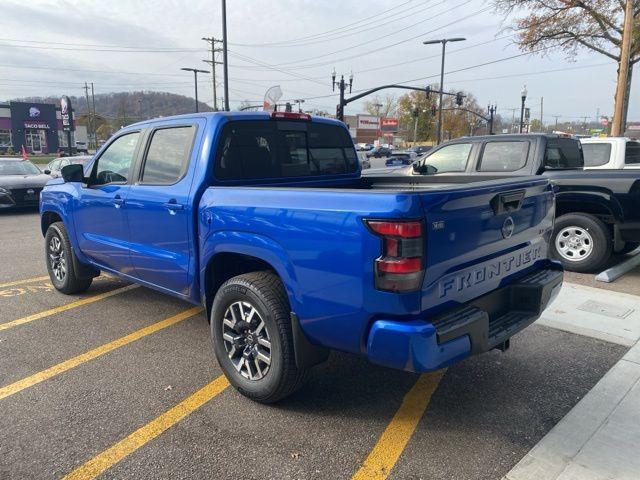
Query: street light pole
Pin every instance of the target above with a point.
(492, 111)
(444, 42)
(524, 99)
(195, 78)
(342, 86)
(225, 67)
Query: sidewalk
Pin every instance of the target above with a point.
(600, 437)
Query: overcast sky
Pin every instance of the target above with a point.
(53, 47)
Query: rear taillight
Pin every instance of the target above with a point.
(400, 268)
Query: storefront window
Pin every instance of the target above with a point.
(5, 138)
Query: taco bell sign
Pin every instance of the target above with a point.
(66, 113)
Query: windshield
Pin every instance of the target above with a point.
(13, 167)
(275, 149)
(596, 154)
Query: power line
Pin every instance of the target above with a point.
(358, 30)
(120, 50)
(327, 32)
(292, 64)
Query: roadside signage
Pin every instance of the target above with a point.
(66, 113)
(389, 124)
(368, 122)
(37, 125)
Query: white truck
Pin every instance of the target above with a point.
(611, 153)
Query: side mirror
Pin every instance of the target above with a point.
(73, 173)
(47, 172)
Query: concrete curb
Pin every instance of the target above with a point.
(615, 272)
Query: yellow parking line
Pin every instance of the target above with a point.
(394, 439)
(22, 282)
(95, 353)
(109, 457)
(64, 308)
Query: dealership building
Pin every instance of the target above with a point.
(36, 126)
(370, 128)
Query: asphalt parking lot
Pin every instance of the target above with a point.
(121, 382)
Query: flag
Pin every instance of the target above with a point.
(25, 154)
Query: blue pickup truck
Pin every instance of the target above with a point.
(265, 220)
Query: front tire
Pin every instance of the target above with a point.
(60, 261)
(253, 339)
(581, 242)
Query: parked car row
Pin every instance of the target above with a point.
(21, 181)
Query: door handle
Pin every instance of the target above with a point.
(118, 201)
(173, 206)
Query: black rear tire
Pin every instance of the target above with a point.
(596, 239)
(263, 292)
(60, 261)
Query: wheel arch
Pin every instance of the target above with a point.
(47, 218)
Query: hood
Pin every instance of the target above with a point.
(24, 181)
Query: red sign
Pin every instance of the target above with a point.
(389, 124)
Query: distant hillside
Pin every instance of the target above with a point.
(129, 107)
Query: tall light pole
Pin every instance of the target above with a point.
(195, 78)
(523, 96)
(444, 42)
(225, 66)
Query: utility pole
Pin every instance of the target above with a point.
(93, 107)
(212, 41)
(444, 42)
(617, 126)
(90, 128)
(195, 78)
(225, 66)
(342, 86)
(556, 117)
(541, 114)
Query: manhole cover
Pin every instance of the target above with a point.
(605, 309)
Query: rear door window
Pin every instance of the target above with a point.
(168, 154)
(632, 153)
(596, 154)
(277, 149)
(563, 153)
(503, 156)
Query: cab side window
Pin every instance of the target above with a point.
(168, 155)
(504, 156)
(450, 158)
(114, 165)
(632, 153)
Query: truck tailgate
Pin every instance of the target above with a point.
(483, 236)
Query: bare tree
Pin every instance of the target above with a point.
(383, 107)
(572, 25)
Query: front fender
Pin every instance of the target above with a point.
(257, 246)
(57, 199)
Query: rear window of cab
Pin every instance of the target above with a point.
(258, 149)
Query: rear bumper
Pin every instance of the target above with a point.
(478, 326)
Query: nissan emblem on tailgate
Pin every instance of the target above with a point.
(508, 227)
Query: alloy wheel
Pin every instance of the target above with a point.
(246, 340)
(57, 258)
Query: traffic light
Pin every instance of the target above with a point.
(433, 110)
(427, 91)
(459, 99)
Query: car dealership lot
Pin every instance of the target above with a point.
(122, 381)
